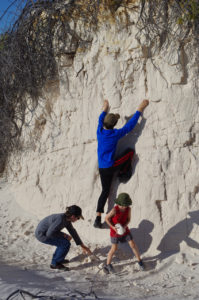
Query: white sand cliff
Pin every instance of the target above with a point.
(58, 167)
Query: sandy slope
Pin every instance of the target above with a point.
(168, 280)
(25, 266)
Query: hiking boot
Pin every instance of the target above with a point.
(59, 267)
(97, 223)
(141, 265)
(108, 269)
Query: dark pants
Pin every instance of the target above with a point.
(122, 165)
(63, 246)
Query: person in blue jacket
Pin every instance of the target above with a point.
(108, 138)
(49, 231)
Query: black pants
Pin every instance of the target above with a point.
(122, 164)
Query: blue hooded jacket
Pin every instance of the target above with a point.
(108, 138)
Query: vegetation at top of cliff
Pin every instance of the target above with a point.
(44, 30)
(164, 19)
(47, 29)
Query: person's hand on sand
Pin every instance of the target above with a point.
(86, 250)
(105, 106)
(143, 105)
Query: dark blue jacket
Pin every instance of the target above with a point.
(51, 226)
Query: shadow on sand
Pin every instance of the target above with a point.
(170, 243)
(168, 246)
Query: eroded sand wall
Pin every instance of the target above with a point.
(59, 166)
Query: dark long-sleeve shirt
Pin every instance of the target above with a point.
(108, 139)
(51, 226)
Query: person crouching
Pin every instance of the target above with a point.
(49, 231)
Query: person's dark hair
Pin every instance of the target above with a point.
(108, 126)
(73, 210)
(110, 120)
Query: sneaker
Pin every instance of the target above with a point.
(108, 269)
(59, 267)
(97, 223)
(140, 263)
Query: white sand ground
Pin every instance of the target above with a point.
(25, 272)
